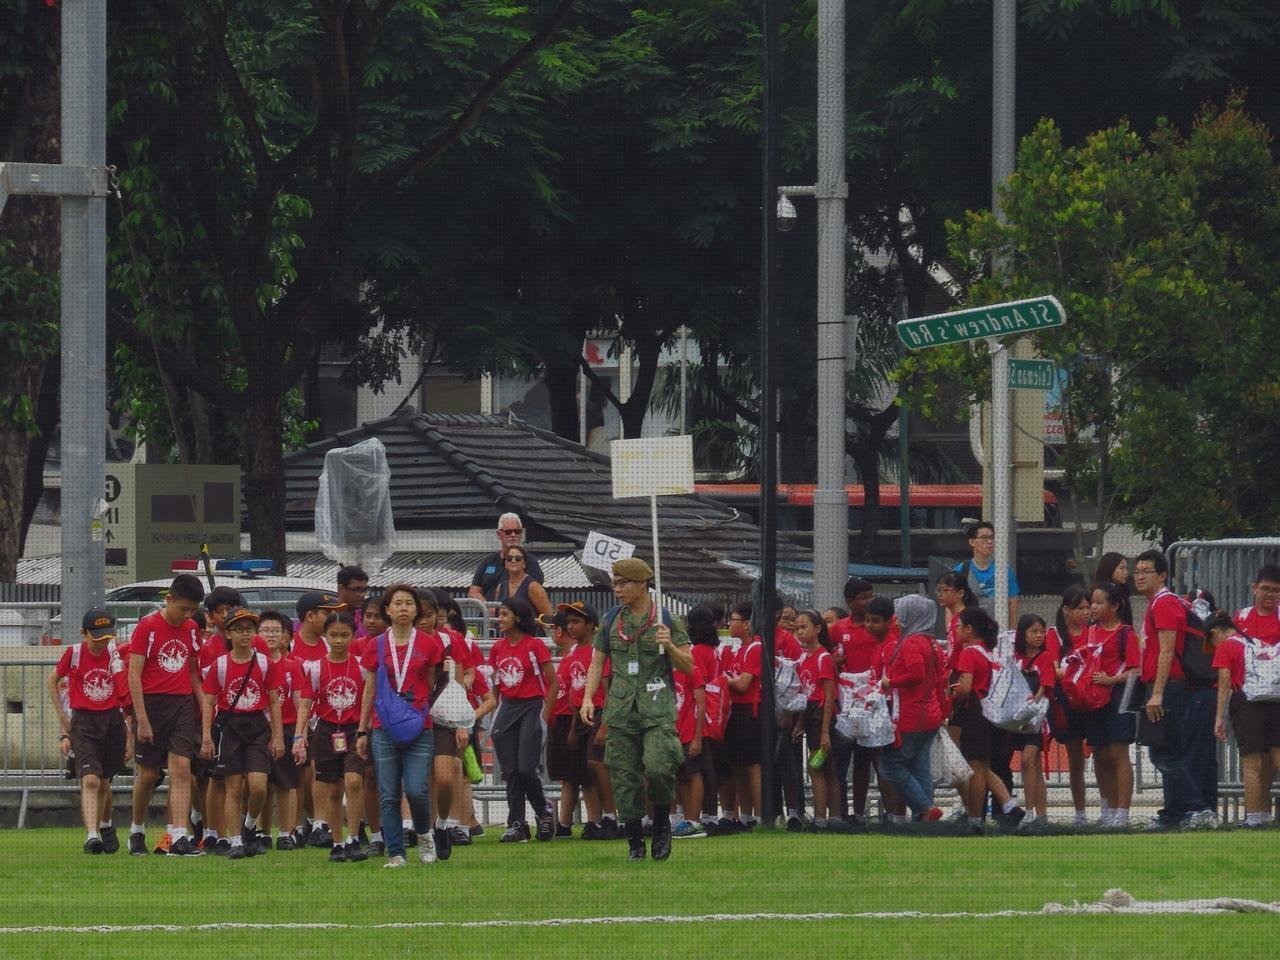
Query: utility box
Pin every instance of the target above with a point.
(161, 512)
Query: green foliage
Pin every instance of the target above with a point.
(28, 327)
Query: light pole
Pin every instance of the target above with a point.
(830, 501)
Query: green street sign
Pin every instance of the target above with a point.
(1031, 374)
(978, 323)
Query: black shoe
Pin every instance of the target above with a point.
(355, 852)
(320, 837)
(1014, 817)
(546, 827)
(377, 848)
(795, 825)
(516, 833)
(185, 847)
(222, 847)
(93, 845)
(723, 827)
(563, 831)
(609, 829)
(444, 842)
(592, 831)
(249, 840)
(286, 843)
(337, 853)
(110, 840)
(137, 845)
(364, 834)
(460, 836)
(476, 831)
(635, 841)
(237, 852)
(661, 835)
(410, 838)
(262, 841)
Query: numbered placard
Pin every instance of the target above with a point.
(602, 552)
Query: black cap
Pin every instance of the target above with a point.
(577, 607)
(316, 600)
(100, 624)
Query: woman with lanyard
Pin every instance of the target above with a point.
(518, 583)
(410, 658)
(526, 686)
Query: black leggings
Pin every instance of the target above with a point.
(517, 741)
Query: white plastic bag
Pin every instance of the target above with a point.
(947, 764)
(451, 708)
(1261, 672)
(353, 506)
(1008, 704)
(880, 729)
(853, 689)
(788, 691)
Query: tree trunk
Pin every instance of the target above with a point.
(561, 379)
(868, 464)
(264, 468)
(648, 349)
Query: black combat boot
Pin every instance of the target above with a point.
(661, 832)
(635, 840)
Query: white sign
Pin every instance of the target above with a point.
(602, 552)
(652, 466)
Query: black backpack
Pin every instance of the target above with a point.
(1197, 662)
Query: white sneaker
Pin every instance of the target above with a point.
(394, 862)
(426, 847)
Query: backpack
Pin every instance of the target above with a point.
(1197, 663)
(1079, 666)
(717, 704)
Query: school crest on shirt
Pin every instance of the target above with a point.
(340, 694)
(806, 684)
(510, 672)
(578, 675)
(172, 656)
(97, 685)
(252, 696)
(679, 698)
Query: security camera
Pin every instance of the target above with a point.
(786, 213)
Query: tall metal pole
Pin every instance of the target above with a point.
(904, 472)
(830, 502)
(767, 453)
(1004, 43)
(84, 292)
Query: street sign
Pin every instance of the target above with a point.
(1031, 374)
(995, 320)
(602, 551)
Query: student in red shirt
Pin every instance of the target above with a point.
(1067, 724)
(375, 626)
(979, 738)
(1038, 667)
(1262, 620)
(690, 695)
(1109, 731)
(243, 688)
(1169, 698)
(1254, 723)
(704, 644)
(334, 688)
(207, 796)
(96, 733)
(742, 737)
(448, 742)
(409, 659)
(884, 629)
(282, 782)
(163, 673)
(526, 686)
(817, 671)
(312, 609)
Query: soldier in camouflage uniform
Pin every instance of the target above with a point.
(640, 713)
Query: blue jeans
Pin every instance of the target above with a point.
(411, 765)
(907, 768)
(1201, 747)
(1181, 789)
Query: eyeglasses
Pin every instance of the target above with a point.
(737, 619)
(1144, 571)
(985, 536)
(1269, 591)
(619, 583)
(516, 530)
(514, 558)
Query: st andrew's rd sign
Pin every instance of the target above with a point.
(978, 323)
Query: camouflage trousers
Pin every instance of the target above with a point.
(637, 757)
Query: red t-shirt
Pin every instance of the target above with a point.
(1253, 624)
(517, 669)
(1230, 655)
(973, 659)
(292, 685)
(748, 660)
(571, 675)
(686, 703)
(813, 668)
(706, 658)
(335, 690)
(96, 683)
(424, 652)
(1112, 659)
(855, 643)
(1042, 663)
(909, 673)
(215, 645)
(953, 644)
(786, 645)
(1164, 612)
(167, 650)
(256, 697)
(303, 651)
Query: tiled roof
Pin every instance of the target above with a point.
(461, 470)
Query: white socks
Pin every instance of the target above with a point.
(1008, 805)
(137, 828)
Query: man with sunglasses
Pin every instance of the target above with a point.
(490, 571)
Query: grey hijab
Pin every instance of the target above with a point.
(915, 614)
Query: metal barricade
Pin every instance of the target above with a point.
(39, 623)
(1225, 568)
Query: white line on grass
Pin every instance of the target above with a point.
(1113, 902)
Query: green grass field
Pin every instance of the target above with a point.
(50, 882)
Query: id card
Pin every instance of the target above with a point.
(633, 668)
(339, 738)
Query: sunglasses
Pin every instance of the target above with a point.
(514, 558)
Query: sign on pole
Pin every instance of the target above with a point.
(996, 320)
(602, 551)
(652, 467)
(1031, 374)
